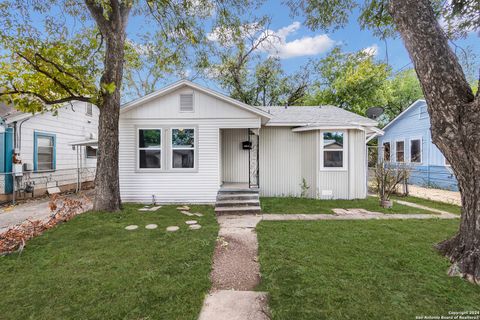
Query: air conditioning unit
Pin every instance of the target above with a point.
(27, 167)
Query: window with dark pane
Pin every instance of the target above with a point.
(150, 148)
(91, 152)
(183, 148)
(400, 149)
(333, 149)
(415, 151)
(386, 151)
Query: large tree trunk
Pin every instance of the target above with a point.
(107, 186)
(455, 122)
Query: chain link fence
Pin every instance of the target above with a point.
(37, 182)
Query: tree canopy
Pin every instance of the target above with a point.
(239, 67)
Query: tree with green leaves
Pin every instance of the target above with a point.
(453, 107)
(352, 81)
(240, 68)
(154, 63)
(403, 90)
(58, 51)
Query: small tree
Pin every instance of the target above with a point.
(387, 180)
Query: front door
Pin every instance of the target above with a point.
(235, 167)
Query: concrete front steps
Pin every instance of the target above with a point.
(237, 202)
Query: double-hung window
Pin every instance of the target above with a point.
(400, 151)
(149, 148)
(416, 151)
(183, 148)
(333, 150)
(44, 153)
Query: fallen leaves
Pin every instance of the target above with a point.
(62, 208)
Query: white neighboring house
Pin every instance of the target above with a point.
(55, 150)
(186, 142)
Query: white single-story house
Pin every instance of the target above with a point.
(50, 149)
(186, 142)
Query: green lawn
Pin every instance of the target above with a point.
(432, 204)
(304, 205)
(91, 268)
(360, 270)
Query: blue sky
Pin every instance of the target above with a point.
(351, 37)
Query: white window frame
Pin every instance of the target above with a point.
(410, 150)
(137, 147)
(195, 151)
(383, 150)
(404, 155)
(344, 166)
(180, 102)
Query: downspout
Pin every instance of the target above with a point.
(17, 144)
(20, 134)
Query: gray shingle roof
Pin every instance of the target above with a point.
(315, 115)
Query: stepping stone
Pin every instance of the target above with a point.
(151, 226)
(187, 213)
(172, 228)
(186, 208)
(131, 227)
(194, 226)
(190, 222)
(198, 214)
(150, 208)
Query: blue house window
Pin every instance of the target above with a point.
(44, 151)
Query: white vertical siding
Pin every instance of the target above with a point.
(357, 160)
(310, 161)
(287, 157)
(334, 181)
(280, 162)
(234, 159)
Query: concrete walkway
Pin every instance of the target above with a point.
(311, 217)
(236, 273)
(32, 210)
(419, 206)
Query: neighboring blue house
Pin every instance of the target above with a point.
(407, 140)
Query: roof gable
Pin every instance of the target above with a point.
(188, 84)
(412, 108)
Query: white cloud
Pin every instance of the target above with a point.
(372, 50)
(306, 46)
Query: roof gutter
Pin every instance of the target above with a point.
(312, 128)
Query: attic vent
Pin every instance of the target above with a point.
(186, 102)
